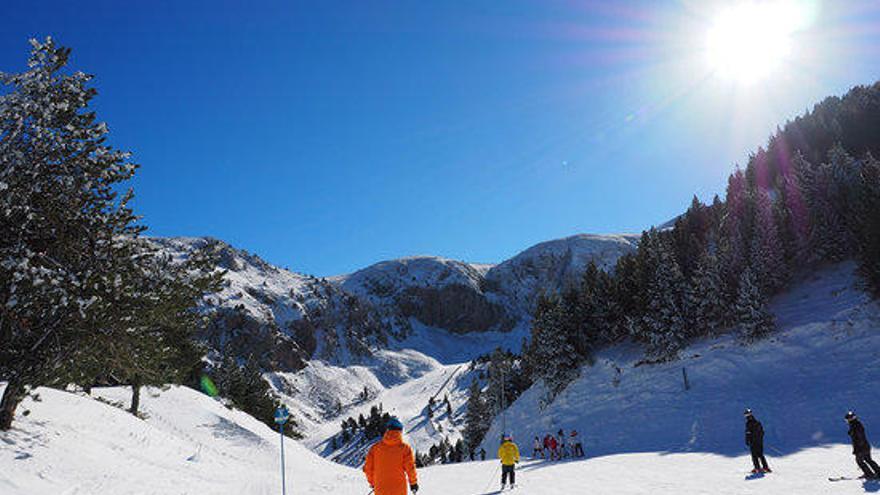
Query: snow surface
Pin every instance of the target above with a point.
(188, 444)
(191, 444)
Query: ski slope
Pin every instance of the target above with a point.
(188, 444)
(191, 444)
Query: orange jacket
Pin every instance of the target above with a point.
(389, 463)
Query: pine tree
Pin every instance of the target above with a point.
(706, 297)
(663, 326)
(752, 316)
(476, 417)
(596, 310)
(767, 259)
(734, 226)
(497, 388)
(65, 233)
(867, 223)
(553, 357)
(830, 238)
(796, 229)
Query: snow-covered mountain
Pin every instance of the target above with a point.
(286, 318)
(395, 324)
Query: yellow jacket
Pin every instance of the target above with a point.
(508, 453)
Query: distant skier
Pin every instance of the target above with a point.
(391, 462)
(578, 448)
(563, 452)
(482, 454)
(554, 452)
(755, 442)
(861, 447)
(509, 455)
(538, 449)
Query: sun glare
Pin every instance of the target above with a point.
(749, 41)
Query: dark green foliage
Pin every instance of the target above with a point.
(751, 309)
(477, 416)
(244, 386)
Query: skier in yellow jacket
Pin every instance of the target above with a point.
(509, 455)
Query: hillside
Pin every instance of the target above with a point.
(188, 444)
(823, 360)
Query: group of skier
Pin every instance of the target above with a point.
(556, 448)
(390, 464)
(861, 445)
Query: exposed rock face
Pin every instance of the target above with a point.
(457, 308)
(286, 319)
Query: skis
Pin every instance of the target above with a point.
(851, 478)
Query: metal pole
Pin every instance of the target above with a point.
(283, 483)
(503, 408)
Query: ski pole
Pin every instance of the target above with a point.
(774, 449)
(494, 475)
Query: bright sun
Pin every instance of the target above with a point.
(749, 41)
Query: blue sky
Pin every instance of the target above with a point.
(325, 136)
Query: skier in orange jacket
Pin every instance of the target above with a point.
(391, 462)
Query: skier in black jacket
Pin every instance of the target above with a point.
(861, 446)
(755, 442)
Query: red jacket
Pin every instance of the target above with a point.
(389, 463)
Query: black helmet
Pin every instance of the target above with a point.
(850, 416)
(747, 412)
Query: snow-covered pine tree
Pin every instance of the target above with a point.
(734, 226)
(796, 229)
(476, 417)
(664, 323)
(596, 309)
(766, 258)
(498, 383)
(751, 312)
(706, 298)
(826, 188)
(867, 223)
(553, 356)
(64, 232)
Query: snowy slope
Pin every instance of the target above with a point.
(189, 444)
(553, 264)
(803, 473)
(823, 360)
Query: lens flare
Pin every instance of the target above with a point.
(208, 386)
